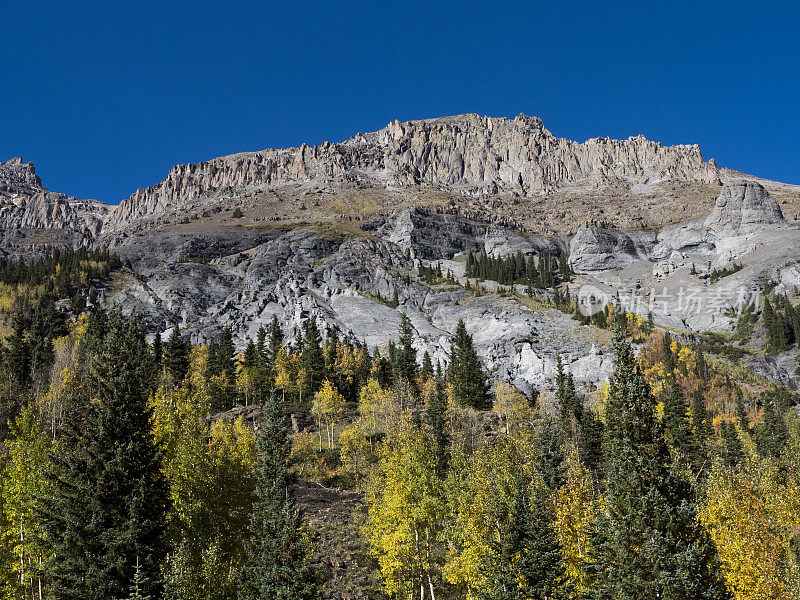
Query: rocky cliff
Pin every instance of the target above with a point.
(26, 204)
(467, 154)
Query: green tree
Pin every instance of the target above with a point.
(312, 361)
(648, 543)
(468, 380)
(175, 356)
(278, 551)
(406, 361)
(525, 561)
(107, 497)
(437, 418)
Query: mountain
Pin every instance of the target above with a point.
(32, 216)
(341, 232)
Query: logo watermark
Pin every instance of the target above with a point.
(685, 301)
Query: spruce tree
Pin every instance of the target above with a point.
(226, 356)
(524, 562)
(648, 544)
(312, 361)
(261, 345)
(426, 372)
(772, 434)
(701, 434)
(469, 384)
(18, 354)
(158, 350)
(176, 360)
(107, 497)
(278, 551)
(406, 362)
(437, 417)
(676, 417)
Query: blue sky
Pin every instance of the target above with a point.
(106, 96)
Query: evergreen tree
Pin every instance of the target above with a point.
(406, 365)
(771, 435)
(278, 551)
(524, 562)
(158, 350)
(275, 339)
(701, 433)
(468, 379)
(226, 357)
(427, 367)
(733, 451)
(552, 457)
(648, 543)
(176, 360)
(741, 412)
(18, 356)
(107, 496)
(312, 360)
(261, 345)
(437, 417)
(676, 418)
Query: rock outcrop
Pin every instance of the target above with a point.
(26, 204)
(743, 207)
(468, 154)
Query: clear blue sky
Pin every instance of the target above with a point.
(106, 96)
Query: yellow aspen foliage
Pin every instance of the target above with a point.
(21, 483)
(511, 406)
(379, 408)
(287, 374)
(406, 509)
(356, 453)
(751, 516)
(328, 407)
(346, 367)
(577, 508)
(468, 491)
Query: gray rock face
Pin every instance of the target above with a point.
(594, 249)
(26, 204)
(467, 153)
(743, 206)
(297, 274)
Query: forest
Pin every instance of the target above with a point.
(126, 474)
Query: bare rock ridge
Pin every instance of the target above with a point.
(467, 154)
(26, 204)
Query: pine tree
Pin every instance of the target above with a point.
(469, 384)
(427, 367)
(437, 417)
(107, 497)
(278, 550)
(18, 356)
(226, 356)
(676, 418)
(312, 361)
(524, 562)
(648, 543)
(406, 365)
(176, 360)
(261, 345)
(771, 435)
